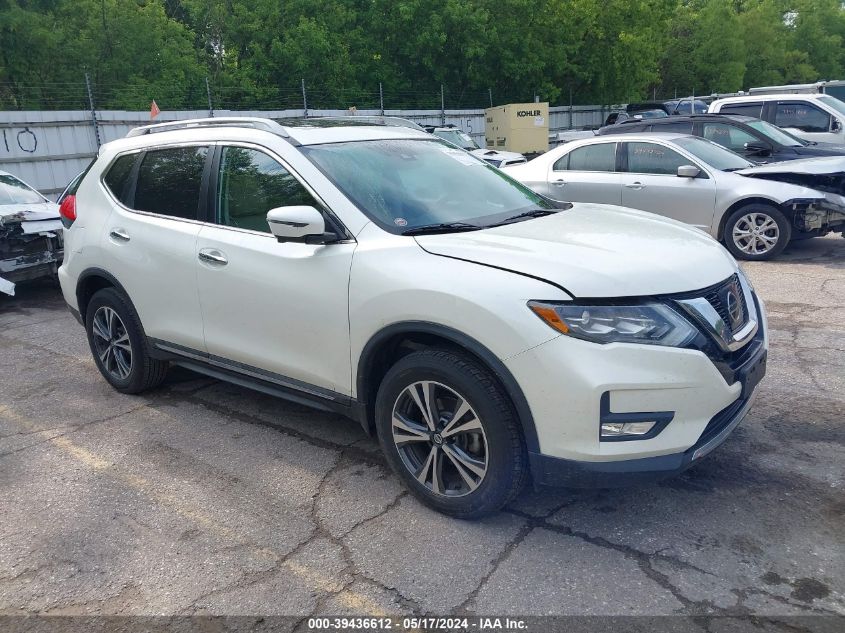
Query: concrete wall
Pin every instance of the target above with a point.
(48, 148)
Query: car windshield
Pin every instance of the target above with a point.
(457, 137)
(834, 103)
(714, 155)
(13, 191)
(775, 133)
(405, 184)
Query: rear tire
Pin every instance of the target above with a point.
(757, 232)
(465, 466)
(118, 343)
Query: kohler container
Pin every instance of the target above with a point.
(518, 127)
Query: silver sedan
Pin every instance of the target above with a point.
(691, 180)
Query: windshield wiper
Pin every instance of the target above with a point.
(534, 213)
(442, 227)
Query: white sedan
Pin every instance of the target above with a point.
(694, 181)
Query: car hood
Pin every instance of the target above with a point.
(806, 166)
(821, 149)
(825, 174)
(595, 250)
(15, 213)
(495, 154)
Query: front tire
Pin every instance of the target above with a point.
(450, 432)
(757, 232)
(118, 343)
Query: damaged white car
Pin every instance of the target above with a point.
(30, 234)
(456, 136)
(698, 182)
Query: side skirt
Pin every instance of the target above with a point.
(259, 380)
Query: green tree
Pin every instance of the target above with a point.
(706, 50)
(818, 28)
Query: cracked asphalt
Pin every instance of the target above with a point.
(206, 498)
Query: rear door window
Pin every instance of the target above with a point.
(170, 180)
(598, 157)
(801, 115)
(745, 109)
(675, 127)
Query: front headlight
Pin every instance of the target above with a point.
(647, 323)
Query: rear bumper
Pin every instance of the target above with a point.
(554, 471)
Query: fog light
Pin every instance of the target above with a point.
(619, 429)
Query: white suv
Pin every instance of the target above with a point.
(812, 117)
(485, 333)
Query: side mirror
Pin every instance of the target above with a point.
(299, 223)
(836, 125)
(688, 171)
(758, 147)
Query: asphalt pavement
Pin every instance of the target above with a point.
(206, 498)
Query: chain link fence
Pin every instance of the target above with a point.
(50, 132)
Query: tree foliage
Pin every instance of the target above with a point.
(255, 53)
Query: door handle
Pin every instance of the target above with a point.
(119, 234)
(213, 256)
(559, 183)
(635, 185)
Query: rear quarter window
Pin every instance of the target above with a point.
(117, 177)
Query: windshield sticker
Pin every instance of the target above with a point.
(400, 222)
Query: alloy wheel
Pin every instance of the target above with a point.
(440, 439)
(756, 233)
(111, 341)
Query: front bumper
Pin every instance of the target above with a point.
(820, 217)
(566, 380)
(28, 261)
(554, 471)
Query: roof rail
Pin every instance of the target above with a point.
(253, 122)
(376, 119)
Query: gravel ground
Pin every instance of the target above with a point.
(205, 498)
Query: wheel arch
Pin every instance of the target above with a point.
(746, 202)
(394, 341)
(89, 282)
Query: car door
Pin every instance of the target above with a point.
(805, 120)
(650, 182)
(149, 244)
(279, 311)
(586, 174)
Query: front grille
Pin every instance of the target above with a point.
(727, 362)
(716, 298)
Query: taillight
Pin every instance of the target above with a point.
(67, 209)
